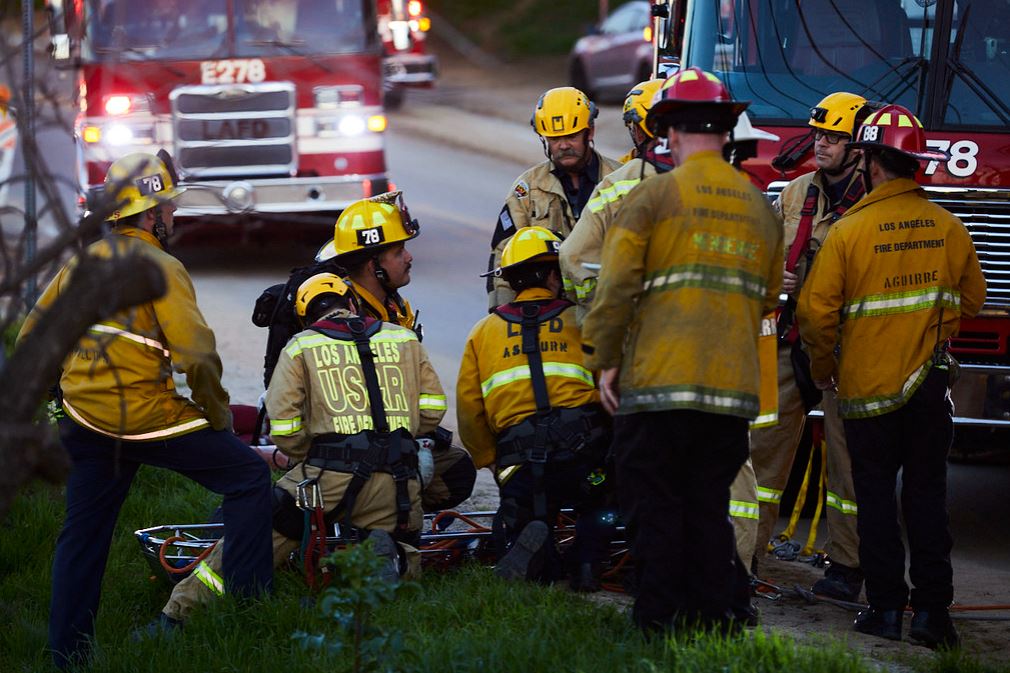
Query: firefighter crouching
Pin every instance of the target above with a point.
(122, 411)
(689, 266)
(528, 408)
(369, 250)
(553, 193)
(896, 275)
(810, 205)
(345, 401)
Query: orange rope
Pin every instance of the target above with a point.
(188, 567)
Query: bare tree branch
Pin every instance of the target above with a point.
(96, 290)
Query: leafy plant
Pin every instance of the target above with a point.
(357, 590)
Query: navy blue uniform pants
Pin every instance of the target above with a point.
(674, 470)
(99, 481)
(914, 439)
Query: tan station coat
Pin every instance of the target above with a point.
(585, 243)
(536, 198)
(318, 388)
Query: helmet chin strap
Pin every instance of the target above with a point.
(864, 173)
(382, 276)
(846, 165)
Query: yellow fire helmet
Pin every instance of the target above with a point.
(370, 224)
(638, 102)
(317, 286)
(529, 244)
(563, 111)
(141, 181)
(837, 112)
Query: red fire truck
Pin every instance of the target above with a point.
(403, 27)
(270, 107)
(947, 60)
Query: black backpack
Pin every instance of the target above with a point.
(275, 310)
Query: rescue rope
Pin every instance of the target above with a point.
(774, 592)
(189, 566)
(808, 550)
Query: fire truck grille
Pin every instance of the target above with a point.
(242, 130)
(986, 215)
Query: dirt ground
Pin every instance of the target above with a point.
(491, 109)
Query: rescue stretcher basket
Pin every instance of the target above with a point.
(448, 539)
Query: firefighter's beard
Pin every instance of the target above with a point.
(159, 229)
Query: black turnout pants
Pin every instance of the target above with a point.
(566, 485)
(674, 470)
(914, 439)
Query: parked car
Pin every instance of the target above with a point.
(615, 55)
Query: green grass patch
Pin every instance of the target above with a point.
(514, 28)
(466, 620)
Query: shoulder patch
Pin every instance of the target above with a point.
(521, 190)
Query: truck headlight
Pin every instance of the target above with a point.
(118, 134)
(351, 125)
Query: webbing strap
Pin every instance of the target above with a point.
(538, 452)
(788, 329)
(379, 452)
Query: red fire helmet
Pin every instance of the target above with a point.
(894, 127)
(695, 99)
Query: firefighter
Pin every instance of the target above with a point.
(369, 245)
(584, 245)
(809, 206)
(529, 409)
(689, 266)
(553, 193)
(345, 402)
(889, 287)
(121, 410)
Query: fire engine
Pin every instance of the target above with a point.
(269, 107)
(947, 60)
(403, 27)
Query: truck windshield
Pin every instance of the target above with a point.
(200, 29)
(947, 60)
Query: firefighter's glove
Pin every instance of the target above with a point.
(425, 460)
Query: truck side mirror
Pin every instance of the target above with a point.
(592, 29)
(59, 39)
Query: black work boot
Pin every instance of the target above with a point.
(585, 579)
(880, 623)
(162, 627)
(385, 547)
(525, 560)
(840, 582)
(934, 628)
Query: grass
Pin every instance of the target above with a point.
(466, 620)
(522, 27)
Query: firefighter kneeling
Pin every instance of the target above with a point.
(526, 403)
(355, 451)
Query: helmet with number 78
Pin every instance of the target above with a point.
(139, 182)
(894, 128)
(370, 224)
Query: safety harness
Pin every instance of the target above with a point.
(369, 451)
(558, 433)
(801, 246)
